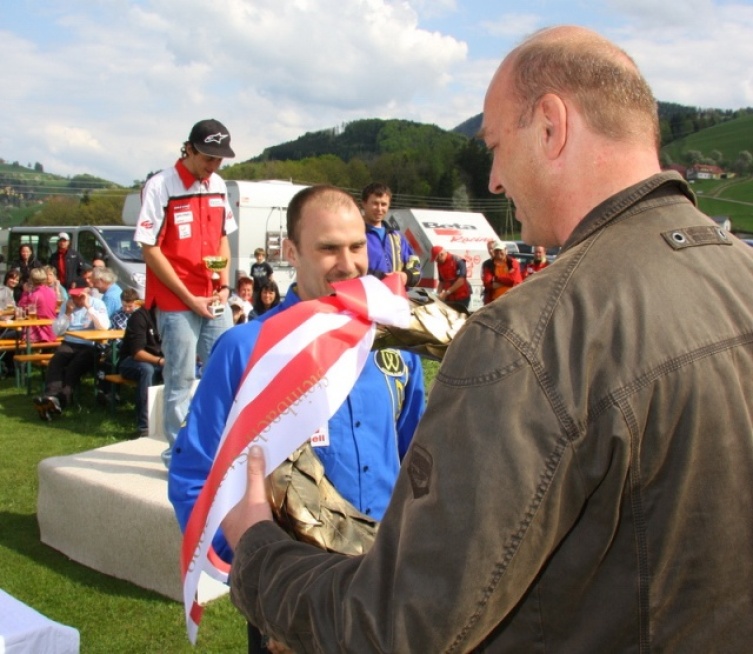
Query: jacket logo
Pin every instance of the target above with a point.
(419, 470)
(390, 362)
(218, 138)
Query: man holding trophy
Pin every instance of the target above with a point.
(182, 228)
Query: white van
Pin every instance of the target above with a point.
(112, 243)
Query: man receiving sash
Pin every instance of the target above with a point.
(362, 445)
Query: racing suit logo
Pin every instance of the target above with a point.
(390, 362)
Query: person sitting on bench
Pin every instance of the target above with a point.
(75, 356)
(141, 360)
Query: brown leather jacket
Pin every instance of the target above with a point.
(582, 479)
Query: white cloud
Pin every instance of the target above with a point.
(112, 88)
(702, 59)
(137, 76)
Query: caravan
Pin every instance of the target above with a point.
(461, 233)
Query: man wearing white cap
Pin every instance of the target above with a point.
(185, 217)
(500, 273)
(67, 262)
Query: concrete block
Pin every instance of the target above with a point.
(108, 510)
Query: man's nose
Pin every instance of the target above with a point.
(347, 261)
(495, 186)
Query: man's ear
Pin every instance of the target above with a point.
(290, 252)
(552, 113)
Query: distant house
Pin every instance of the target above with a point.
(703, 171)
(678, 168)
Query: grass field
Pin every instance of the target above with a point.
(729, 138)
(727, 197)
(112, 616)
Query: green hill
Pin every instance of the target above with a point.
(364, 139)
(20, 183)
(729, 138)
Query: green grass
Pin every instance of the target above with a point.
(733, 198)
(112, 616)
(729, 138)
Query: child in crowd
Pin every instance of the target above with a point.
(261, 271)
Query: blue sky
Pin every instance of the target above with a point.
(112, 87)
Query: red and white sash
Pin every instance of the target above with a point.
(305, 363)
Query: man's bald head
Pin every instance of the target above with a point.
(597, 76)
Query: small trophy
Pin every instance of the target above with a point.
(215, 264)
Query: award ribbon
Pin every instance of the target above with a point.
(305, 363)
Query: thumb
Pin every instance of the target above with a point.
(256, 470)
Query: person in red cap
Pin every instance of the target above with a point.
(453, 287)
(75, 356)
(185, 217)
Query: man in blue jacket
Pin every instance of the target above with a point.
(388, 249)
(364, 442)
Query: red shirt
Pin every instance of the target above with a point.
(187, 219)
(448, 272)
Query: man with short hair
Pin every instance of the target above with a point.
(500, 273)
(539, 261)
(105, 281)
(453, 286)
(74, 356)
(68, 263)
(388, 249)
(118, 320)
(244, 295)
(362, 445)
(141, 360)
(185, 217)
(580, 481)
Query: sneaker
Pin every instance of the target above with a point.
(55, 408)
(44, 407)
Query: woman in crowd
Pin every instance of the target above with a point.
(268, 298)
(43, 301)
(25, 263)
(61, 294)
(10, 283)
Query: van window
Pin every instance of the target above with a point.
(89, 246)
(43, 245)
(121, 242)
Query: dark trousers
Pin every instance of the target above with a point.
(70, 362)
(256, 642)
(146, 374)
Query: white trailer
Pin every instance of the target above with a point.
(462, 233)
(260, 211)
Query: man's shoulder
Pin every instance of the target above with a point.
(166, 180)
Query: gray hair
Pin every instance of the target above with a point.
(105, 275)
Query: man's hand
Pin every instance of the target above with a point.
(200, 305)
(253, 506)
